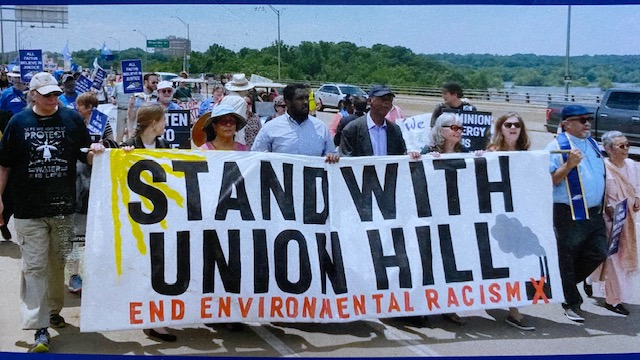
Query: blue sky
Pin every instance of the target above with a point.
(463, 29)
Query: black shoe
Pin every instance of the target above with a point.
(56, 321)
(6, 234)
(588, 289)
(164, 337)
(520, 324)
(618, 309)
(573, 314)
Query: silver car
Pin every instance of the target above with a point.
(332, 95)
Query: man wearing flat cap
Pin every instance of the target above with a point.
(578, 175)
(372, 134)
(39, 149)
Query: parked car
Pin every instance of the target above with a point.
(332, 95)
(166, 76)
(619, 110)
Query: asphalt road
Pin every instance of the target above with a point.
(485, 333)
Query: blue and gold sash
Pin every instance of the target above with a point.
(573, 181)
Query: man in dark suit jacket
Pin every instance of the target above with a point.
(372, 134)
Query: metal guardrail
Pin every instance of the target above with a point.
(486, 95)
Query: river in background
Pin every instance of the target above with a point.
(576, 90)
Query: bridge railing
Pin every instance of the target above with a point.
(512, 96)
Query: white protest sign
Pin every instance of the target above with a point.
(185, 237)
(416, 131)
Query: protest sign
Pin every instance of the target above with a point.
(177, 130)
(97, 122)
(178, 237)
(416, 131)
(192, 106)
(83, 84)
(98, 78)
(477, 128)
(112, 114)
(619, 218)
(132, 79)
(30, 64)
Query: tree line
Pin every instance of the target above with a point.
(393, 65)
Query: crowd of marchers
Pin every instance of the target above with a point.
(49, 212)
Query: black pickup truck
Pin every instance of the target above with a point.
(619, 110)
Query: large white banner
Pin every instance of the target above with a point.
(189, 237)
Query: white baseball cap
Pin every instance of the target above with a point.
(165, 85)
(44, 83)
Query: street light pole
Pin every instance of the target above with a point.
(277, 12)
(20, 35)
(187, 48)
(145, 39)
(567, 78)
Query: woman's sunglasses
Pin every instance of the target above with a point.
(509, 125)
(454, 127)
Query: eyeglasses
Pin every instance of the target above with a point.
(623, 146)
(455, 127)
(583, 120)
(227, 122)
(509, 125)
(51, 94)
(166, 90)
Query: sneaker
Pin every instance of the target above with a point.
(41, 343)
(75, 284)
(56, 321)
(572, 315)
(618, 309)
(520, 324)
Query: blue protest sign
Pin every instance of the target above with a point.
(83, 84)
(30, 64)
(98, 78)
(132, 76)
(97, 122)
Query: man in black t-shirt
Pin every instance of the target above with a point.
(453, 99)
(38, 150)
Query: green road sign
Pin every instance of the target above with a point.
(159, 43)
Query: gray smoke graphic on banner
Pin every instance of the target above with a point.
(514, 238)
